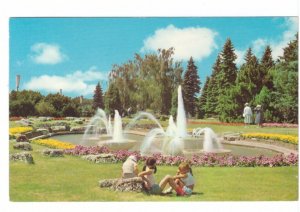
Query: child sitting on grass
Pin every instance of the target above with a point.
(148, 176)
(184, 180)
(130, 167)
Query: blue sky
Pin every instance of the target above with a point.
(73, 54)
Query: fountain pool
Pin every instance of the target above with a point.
(190, 146)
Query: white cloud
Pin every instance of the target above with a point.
(288, 35)
(192, 41)
(43, 53)
(240, 54)
(277, 46)
(78, 82)
(258, 46)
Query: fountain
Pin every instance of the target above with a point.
(211, 142)
(98, 127)
(175, 140)
(117, 133)
(172, 139)
(115, 139)
(181, 119)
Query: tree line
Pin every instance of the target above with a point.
(150, 82)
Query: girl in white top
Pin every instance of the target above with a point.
(184, 179)
(130, 167)
(148, 176)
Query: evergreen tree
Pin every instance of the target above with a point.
(266, 64)
(228, 66)
(226, 80)
(191, 87)
(213, 90)
(98, 97)
(203, 99)
(290, 53)
(249, 79)
(285, 80)
(112, 100)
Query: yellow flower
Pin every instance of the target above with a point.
(280, 137)
(18, 130)
(51, 143)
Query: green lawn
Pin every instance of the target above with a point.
(71, 178)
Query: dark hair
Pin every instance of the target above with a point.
(150, 162)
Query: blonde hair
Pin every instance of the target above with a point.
(185, 165)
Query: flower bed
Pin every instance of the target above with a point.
(208, 160)
(216, 123)
(15, 118)
(91, 150)
(287, 125)
(54, 144)
(19, 130)
(280, 137)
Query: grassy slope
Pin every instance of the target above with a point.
(73, 179)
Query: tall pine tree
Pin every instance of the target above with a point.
(98, 97)
(191, 87)
(228, 66)
(112, 100)
(285, 79)
(213, 90)
(266, 64)
(226, 81)
(249, 78)
(203, 100)
(290, 53)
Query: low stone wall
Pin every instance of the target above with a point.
(101, 158)
(53, 152)
(134, 184)
(232, 136)
(22, 156)
(23, 145)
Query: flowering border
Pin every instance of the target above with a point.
(19, 130)
(52, 143)
(206, 160)
(280, 137)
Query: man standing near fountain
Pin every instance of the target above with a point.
(247, 114)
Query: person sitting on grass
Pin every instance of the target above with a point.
(184, 180)
(149, 181)
(130, 167)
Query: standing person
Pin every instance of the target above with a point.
(130, 167)
(148, 176)
(258, 115)
(247, 114)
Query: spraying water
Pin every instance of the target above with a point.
(110, 129)
(172, 128)
(117, 134)
(142, 115)
(181, 119)
(147, 145)
(211, 141)
(96, 125)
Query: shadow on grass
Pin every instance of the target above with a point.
(173, 194)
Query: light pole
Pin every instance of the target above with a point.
(18, 78)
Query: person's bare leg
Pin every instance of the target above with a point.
(167, 180)
(179, 183)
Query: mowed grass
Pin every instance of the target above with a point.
(71, 178)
